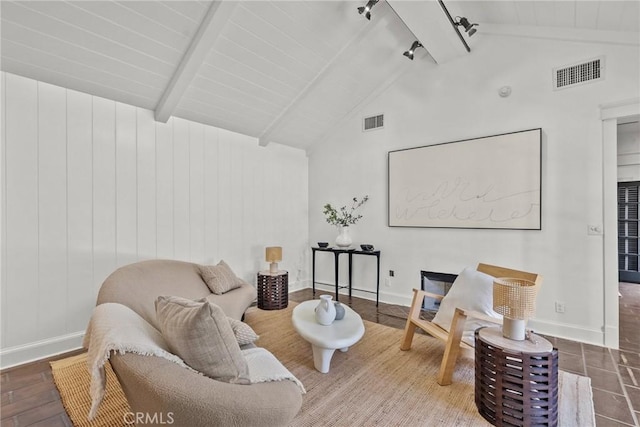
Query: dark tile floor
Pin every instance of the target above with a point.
(30, 398)
(615, 374)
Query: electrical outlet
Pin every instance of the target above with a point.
(387, 282)
(391, 273)
(559, 307)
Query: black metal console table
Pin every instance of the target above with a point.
(336, 264)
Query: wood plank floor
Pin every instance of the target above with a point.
(30, 398)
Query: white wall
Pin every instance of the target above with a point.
(458, 100)
(629, 152)
(90, 184)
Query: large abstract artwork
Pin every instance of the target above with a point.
(489, 182)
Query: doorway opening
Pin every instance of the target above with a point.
(612, 115)
(627, 143)
(628, 236)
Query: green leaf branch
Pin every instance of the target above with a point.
(344, 216)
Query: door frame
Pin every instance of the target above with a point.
(610, 114)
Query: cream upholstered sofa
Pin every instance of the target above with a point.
(161, 388)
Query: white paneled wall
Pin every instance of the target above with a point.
(89, 185)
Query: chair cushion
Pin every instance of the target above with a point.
(472, 290)
(200, 333)
(220, 278)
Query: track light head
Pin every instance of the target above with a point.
(464, 22)
(366, 9)
(415, 45)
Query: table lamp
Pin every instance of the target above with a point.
(273, 254)
(515, 299)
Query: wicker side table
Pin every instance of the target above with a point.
(516, 381)
(273, 290)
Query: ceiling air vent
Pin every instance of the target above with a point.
(373, 122)
(581, 73)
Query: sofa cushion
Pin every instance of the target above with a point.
(199, 332)
(220, 278)
(243, 332)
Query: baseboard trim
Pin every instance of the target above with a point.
(21, 354)
(612, 337)
(567, 331)
(299, 285)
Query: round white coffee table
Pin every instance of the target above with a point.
(325, 340)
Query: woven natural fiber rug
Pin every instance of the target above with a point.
(374, 383)
(72, 378)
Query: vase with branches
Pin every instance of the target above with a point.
(344, 217)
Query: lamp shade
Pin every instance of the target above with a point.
(514, 298)
(273, 254)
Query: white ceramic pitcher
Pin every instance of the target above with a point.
(325, 311)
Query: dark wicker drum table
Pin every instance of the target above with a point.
(516, 381)
(273, 290)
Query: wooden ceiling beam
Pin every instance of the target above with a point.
(429, 22)
(212, 24)
(579, 35)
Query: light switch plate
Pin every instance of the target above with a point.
(594, 230)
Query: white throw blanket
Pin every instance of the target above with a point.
(265, 367)
(115, 327)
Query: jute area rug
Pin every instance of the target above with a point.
(374, 383)
(72, 378)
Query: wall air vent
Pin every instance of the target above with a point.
(373, 122)
(577, 74)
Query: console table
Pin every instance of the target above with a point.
(336, 264)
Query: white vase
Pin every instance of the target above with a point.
(325, 311)
(344, 238)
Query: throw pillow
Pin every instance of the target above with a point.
(472, 290)
(220, 278)
(243, 332)
(200, 334)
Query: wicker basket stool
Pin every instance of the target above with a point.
(516, 381)
(273, 290)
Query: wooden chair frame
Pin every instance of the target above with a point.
(453, 338)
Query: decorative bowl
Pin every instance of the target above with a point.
(366, 247)
(323, 244)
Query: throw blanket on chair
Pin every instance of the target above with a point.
(115, 327)
(265, 367)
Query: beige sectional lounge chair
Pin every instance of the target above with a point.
(164, 390)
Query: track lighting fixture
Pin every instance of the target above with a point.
(366, 9)
(468, 27)
(409, 54)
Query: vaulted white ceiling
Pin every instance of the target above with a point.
(283, 71)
